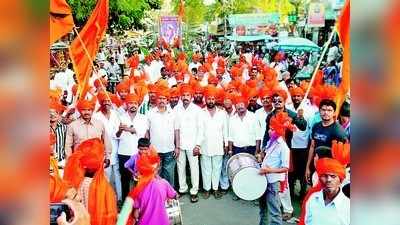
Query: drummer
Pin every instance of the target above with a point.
(274, 166)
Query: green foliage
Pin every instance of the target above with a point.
(195, 11)
(124, 14)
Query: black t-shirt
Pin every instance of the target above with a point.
(323, 136)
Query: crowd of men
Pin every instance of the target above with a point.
(198, 111)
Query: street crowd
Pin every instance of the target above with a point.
(145, 125)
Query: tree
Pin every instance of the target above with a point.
(195, 11)
(124, 14)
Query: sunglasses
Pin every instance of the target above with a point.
(277, 101)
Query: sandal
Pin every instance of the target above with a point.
(194, 198)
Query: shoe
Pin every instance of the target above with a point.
(286, 216)
(194, 198)
(206, 194)
(224, 192)
(235, 197)
(217, 194)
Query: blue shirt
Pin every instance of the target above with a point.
(337, 212)
(276, 156)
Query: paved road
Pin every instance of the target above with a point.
(224, 211)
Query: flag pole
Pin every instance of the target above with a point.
(319, 63)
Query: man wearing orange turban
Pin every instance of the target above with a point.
(110, 119)
(86, 127)
(85, 171)
(327, 200)
(58, 129)
(174, 97)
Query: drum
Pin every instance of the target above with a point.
(242, 170)
(174, 212)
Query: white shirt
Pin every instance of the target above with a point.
(111, 126)
(276, 156)
(261, 116)
(215, 132)
(191, 126)
(337, 212)
(121, 58)
(244, 132)
(128, 141)
(171, 82)
(226, 78)
(300, 138)
(162, 128)
(194, 65)
(64, 80)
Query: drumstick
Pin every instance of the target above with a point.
(126, 210)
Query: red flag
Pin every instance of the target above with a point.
(181, 9)
(84, 48)
(61, 21)
(343, 28)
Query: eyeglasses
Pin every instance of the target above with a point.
(277, 101)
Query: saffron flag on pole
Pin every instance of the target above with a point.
(84, 48)
(181, 9)
(61, 21)
(343, 29)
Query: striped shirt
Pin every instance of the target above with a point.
(60, 132)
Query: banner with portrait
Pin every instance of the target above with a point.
(170, 28)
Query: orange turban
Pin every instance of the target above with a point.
(174, 92)
(147, 165)
(102, 96)
(198, 89)
(89, 155)
(229, 96)
(341, 152)
(196, 57)
(57, 106)
(265, 92)
(181, 56)
(100, 83)
(85, 104)
(230, 87)
(241, 99)
(211, 91)
(296, 91)
(220, 70)
(152, 88)
(220, 95)
(282, 93)
(185, 88)
(163, 92)
(132, 98)
(280, 122)
(134, 61)
(251, 83)
(221, 62)
(202, 69)
(329, 165)
(180, 76)
(236, 72)
(320, 92)
(213, 80)
(123, 86)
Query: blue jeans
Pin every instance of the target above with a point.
(167, 170)
(248, 149)
(271, 200)
(224, 180)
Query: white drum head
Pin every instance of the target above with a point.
(248, 184)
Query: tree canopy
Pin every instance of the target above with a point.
(124, 14)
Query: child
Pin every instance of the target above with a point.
(274, 167)
(143, 146)
(147, 199)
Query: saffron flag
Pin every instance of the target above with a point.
(84, 48)
(61, 21)
(343, 28)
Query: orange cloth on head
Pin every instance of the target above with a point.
(102, 96)
(100, 83)
(329, 165)
(282, 93)
(174, 92)
(85, 104)
(123, 86)
(281, 122)
(296, 91)
(251, 83)
(180, 76)
(320, 92)
(132, 98)
(210, 91)
(89, 156)
(212, 80)
(163, 92)
(265, 92)
(236, 72)
(152, 88)
(220, 70)
(341, 152)
(185, 88)
(56, 105)
(147, 165)
(198, 89)
(241, 99)
(202, 69)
